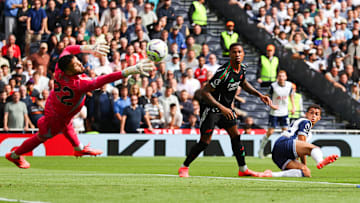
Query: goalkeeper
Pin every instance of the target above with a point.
(67, 98)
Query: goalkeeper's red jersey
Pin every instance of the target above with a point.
(68, 96)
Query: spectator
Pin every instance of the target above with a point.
(132, 117)
(213, 64)
(140, 5)
(3, 97)
(167, 99)
(16, 114)
(6, 73)
(193, 122)
(18, 75)
(349, 70)
(121, 103)
(130, 53)
(155, 31)
(148, 16)
(183, 28)
(296, 45)
(112, 17)
(191, 45)
(178, 73)
(156, 112)
(173, 118)
(333, 77)
(186, 106)
(41, 58)
(344, 81)
(190, 60)
(205, 52)
(11, 59)
(313, 61)
(201, 72)
(354, 54)
(249, 125)
(174, 64)
(36, 110)
(52, 13)
(197, 13)
(91, 20)
(198, 37)
(75, 13)
(31, 91)
(169, 12)
(103, 6)
(146, 98)
(176, 37)
(10, 13)
(11, 45)
(228, 37)
(95, 6)
(194, 83)
(101, 111)
(36, 23)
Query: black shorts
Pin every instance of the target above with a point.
(210, 117)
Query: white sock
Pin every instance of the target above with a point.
(14, 156)
(288, 173)
(263, 142)
(317, 154)
(79, 148)
(243, 168)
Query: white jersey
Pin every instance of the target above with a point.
(280, 97)
(301, 126)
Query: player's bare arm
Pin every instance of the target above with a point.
(206, 93)
(251, 90)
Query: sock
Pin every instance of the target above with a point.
(243, 168)
(28, 145)
(71, 135)
(79, 147)
(263, 142)
(238, 150)
(194, 152)
(317, 154)
(288, 173)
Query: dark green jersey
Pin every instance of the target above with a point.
(226, 82)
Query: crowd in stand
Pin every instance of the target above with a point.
(323, 33)
(36, 32)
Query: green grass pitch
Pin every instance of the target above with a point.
(129, 179)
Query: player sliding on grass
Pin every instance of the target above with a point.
(219, 94)
(67, 99)
(293, 144)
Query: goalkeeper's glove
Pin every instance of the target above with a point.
(142, 67)
(97, 49)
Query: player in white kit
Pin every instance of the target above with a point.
(294, 144)
(280, 91)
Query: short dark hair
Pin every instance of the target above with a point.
(172, 105)
(65, 61)
(313, 106)
(234, 45)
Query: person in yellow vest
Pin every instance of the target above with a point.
(268, 67)
(197, 14)
(298, 101)
(228, 37)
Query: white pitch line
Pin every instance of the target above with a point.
(19, 200)
(208, 177)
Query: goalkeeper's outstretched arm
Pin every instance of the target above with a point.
(142, 67)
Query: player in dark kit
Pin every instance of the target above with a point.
(218, 95)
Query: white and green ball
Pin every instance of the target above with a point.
(156, 50)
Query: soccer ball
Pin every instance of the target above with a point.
(156, 50)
